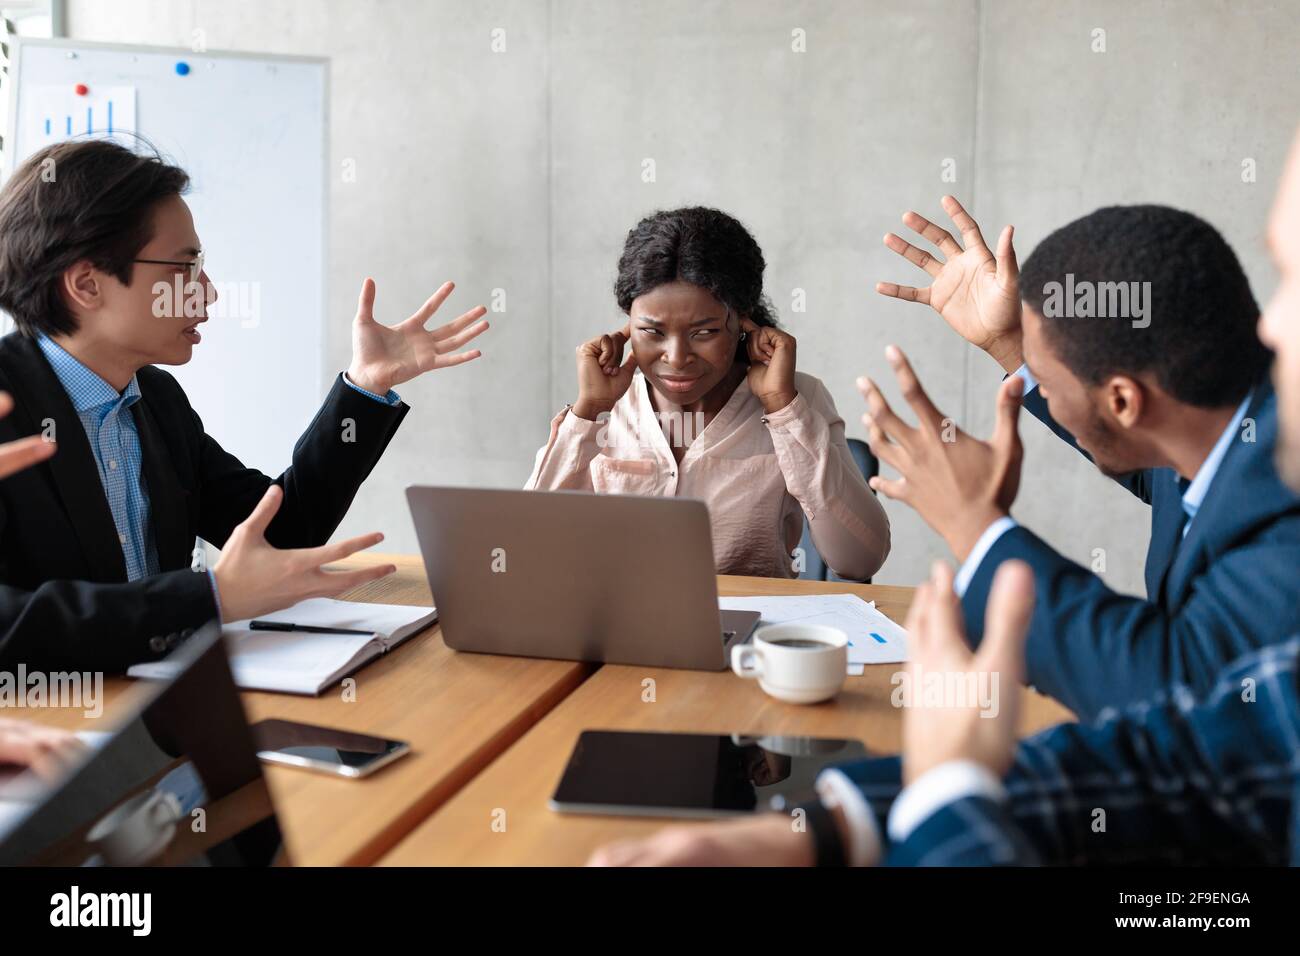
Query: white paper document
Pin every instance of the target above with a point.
(873, 638)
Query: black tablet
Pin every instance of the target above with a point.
(693, 775)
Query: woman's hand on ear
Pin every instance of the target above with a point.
(771, 365)
(603, 375)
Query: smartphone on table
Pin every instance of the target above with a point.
(324, 749)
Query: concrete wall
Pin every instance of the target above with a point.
(522, 170)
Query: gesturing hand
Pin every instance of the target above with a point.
(979, 730)
(771, 365)
(386, 356)
(977, 293)
(603, 376)
(254, 578)
(25, 452)
(958, 484)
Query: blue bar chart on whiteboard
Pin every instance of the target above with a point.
(77, 110)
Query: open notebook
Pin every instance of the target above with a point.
(295, 662)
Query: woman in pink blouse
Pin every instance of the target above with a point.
(708, 405)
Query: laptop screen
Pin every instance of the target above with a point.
(179, 783)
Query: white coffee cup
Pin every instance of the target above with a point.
(136, 830)
(796, 663)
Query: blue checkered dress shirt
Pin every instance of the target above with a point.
(115, 443)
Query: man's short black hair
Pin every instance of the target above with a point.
(1200, 343)
(73, 201)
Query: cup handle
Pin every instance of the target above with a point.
(746, 661)
(165, 810)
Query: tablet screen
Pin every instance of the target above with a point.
(667, 774)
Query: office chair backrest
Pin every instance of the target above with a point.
(815, 568)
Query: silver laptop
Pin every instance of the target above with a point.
(618, 579)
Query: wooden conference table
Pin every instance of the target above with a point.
(492, 734)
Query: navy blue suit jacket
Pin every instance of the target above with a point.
(1231, 586)
(1177, 779)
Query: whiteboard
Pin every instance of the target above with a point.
(251, 132)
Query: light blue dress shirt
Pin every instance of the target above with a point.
(110, 428)
(1193, 494)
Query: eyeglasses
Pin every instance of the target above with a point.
(194, 266)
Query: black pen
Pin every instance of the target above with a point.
(308, 628)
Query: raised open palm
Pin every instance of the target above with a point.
(965, 727)
(975, 291)
(386, 356)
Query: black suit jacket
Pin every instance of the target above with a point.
(65, 602)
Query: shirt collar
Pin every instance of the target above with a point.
(1197, 488)
(86, 389)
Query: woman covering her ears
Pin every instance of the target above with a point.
(708, 405)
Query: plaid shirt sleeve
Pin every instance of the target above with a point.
(1175, 780)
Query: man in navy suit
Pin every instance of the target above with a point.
(1131, 334)
(1181, 777)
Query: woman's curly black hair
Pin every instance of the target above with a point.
(703, 246)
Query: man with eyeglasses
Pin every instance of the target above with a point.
(97, 543)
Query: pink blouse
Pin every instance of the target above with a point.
(758, 474)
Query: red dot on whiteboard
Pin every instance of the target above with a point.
(81, 89)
